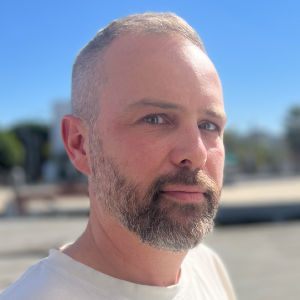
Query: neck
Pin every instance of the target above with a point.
(111, 249)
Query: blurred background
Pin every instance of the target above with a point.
(255, 47)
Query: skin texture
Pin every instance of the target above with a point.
(161, 109)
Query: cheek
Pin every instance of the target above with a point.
(138, 155)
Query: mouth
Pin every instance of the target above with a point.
(185, 194)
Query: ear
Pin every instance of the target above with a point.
(75, 138)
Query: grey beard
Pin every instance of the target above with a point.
(154, 219)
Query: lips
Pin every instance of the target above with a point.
(185, 196)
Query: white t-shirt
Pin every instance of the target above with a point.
(59, 277)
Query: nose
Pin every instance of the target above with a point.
(189, 149)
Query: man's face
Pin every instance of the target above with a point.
(156, 152)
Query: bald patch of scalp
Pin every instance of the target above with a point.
(88, 75)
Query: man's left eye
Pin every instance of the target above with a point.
(208, 126)
(154, 119)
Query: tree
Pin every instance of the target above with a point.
(293, 134)
(11, 151)
(256, 151)
(34, 138)
(231, 141)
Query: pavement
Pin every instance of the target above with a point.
(262, 192)
(273, 199)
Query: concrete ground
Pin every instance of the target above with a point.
(263, 260)
(262, 192)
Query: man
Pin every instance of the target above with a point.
(147, 129)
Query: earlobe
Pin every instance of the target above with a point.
(75, 139)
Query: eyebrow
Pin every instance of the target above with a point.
(153, 103)
(216, 113)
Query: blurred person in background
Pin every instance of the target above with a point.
(147, 128)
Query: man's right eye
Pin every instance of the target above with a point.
(154, 119)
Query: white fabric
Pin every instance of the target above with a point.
(59, 277)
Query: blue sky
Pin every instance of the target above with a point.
(255, 46)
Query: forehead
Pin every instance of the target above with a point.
(161, 67)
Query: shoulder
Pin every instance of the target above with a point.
(42, 281)
(203, 263)
(57, 277)
(19, 288)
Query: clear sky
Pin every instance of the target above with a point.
(254, 44)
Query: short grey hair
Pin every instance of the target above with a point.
(88, 79)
